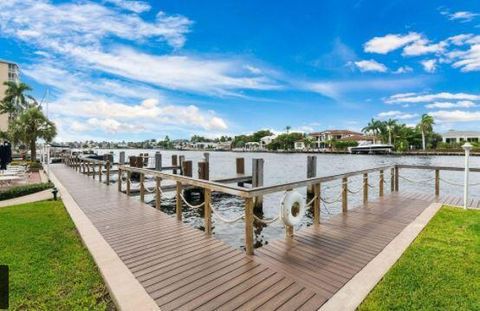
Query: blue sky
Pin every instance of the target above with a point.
(119, 69)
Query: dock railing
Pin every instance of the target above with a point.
(250, 195)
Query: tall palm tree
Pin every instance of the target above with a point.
(425, 126)
(390, 125)
(288, 128)
(373, 127)
(31, 125)
(16, 99)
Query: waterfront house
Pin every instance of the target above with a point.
(300, 145)
(266, 140)
(253, 145)
(453, 136)
(323, 139)
(204, 145)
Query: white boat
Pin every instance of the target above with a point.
(371, 149)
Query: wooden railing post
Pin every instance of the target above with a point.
(365, 188)
(208, 211)
(129, 176)
(108, 173)
(100, 172)
(392, 179)
(397, 177)
(179, 201)
(142, 187)
(316, 203)
(119, 181)
(249, 226)
(344, 194)
(437, 183)
(380, 185)
(158, 193)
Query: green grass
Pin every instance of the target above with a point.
(439, 271)
(49, 267)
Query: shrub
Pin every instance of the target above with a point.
(22, 190)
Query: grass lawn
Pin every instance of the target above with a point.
(439, 271)
(49, 267)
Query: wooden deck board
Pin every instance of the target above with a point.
(181, 268)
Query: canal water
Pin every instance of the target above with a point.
(281, 168)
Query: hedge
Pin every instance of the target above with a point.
(22, 190)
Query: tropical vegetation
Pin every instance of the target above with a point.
(27, 122)
(440, 269)
(404, 137)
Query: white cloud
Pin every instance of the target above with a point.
(131, 5)
(403, 69)
(455, 116)
(462, 16)
(424, 98)
(390, 42)
(370, 65)
(449, 105)
(336, 89)
(395, 114)
(468, 60)
(422, 47)
(59, 27)
(460, 39)
(429, 65)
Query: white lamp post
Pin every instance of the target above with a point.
(467, 147)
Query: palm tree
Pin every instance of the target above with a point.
(288, 128)
(425, 126)
(373, 127)
(15, 99)
(390, 125)
(31, 125)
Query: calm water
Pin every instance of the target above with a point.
(281, 168)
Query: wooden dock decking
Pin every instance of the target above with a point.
(183, 269)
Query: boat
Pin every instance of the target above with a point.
(371, 149)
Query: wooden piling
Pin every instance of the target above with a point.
(208, 211)
(392, 179)
(100, 172)
(249, 226)
(344, 194)
(311, 172)
(93, 171)
(179, 202)
(108, 173)
(174, 162)
(397, 177)
(187, 168)
(437, 183)
(380, 184)
(365, 188)
(316, 203)
(203, 170)
(240, 165)
(257, 181)
(129, 176)
(121, 158)
(158, 161)
(142, 187)
(119, 181)
(158, 193)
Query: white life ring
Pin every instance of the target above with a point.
(292, 208)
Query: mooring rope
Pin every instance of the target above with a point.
(326, 207)
(311, 201)
(216, 213)
(190, 205)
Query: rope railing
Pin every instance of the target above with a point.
(331, 202)
(458, 184)
(416, 181)
(189, 204)
(311, 201)
(219, 216)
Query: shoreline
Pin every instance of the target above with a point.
(409, 153)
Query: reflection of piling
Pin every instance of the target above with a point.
(257, 181)
(311, 173)
(206, 156)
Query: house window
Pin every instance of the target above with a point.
(472, 139)
(450, 140)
